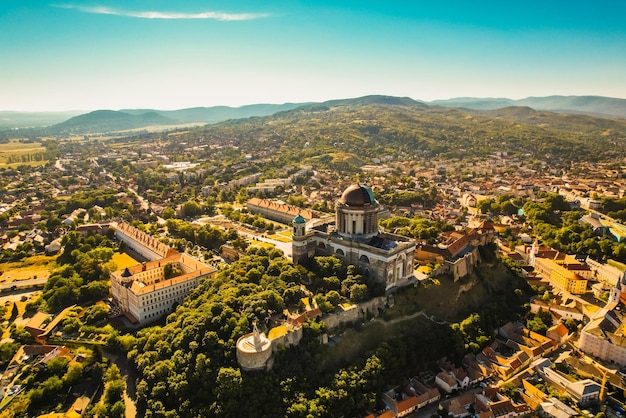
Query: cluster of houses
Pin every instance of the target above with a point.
(519, 356)
(31, 355)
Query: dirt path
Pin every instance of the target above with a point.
(407, 318)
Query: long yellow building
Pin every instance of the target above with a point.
(561, 277)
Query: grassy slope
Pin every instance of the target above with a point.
(415, 306)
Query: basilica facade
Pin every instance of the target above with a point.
(355, 238)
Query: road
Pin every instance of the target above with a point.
(129, 377)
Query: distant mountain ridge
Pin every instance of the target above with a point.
(10, 119)
(110, 120)
(588, 105)
(216, 114)
(102, 121)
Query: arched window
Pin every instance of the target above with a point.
(339, 251)
(364, 259)
(321, 245)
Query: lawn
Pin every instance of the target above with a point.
(123, 260)
(262, 244)
(35, 267)
(279, 237)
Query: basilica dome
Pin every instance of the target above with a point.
(358, 195)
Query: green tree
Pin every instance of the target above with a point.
(168, 213)
(114, 390)
(358, 292)
(191, 209)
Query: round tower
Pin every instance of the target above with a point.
(254, 350)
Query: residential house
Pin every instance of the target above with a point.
(446, 382)
(558, 333)
(584, 391)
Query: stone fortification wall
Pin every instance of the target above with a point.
(292, 337)
(356, 313)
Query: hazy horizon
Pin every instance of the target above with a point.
(172, 55)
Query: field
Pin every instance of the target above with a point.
(16, 153)
(38, 266)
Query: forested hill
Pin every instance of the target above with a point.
(109, 120)
(589, 105)
(344, 133)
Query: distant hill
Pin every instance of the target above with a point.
(50, 123)
(588, 105)
(545, 119)
(54, 123)
(368, 100)
(338, 134)
(14, 119)
(110, 121)
(216, 114)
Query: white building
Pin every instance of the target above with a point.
(144, 292)
(354, 237)
(604, 336)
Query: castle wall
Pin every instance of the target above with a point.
(358, 313)
(292, 337)
(464, 265)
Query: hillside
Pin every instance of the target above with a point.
(110, 121)
(338, 134)
(50, 123)
(216, 114)
(12, 119)
(588, 105)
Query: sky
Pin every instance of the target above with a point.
(165, 54)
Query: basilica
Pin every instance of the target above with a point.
(355, 238)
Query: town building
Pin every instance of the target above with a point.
(277, 211)
(354, 237)
(560, 277)
(604, 335)
(151, 289)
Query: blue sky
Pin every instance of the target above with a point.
(167, 54)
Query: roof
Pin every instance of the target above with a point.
(387, 414)
(37, 321)
(299, 219)
(585, 387)
(445, 377)
(358, 195)
(272, 205)
(407, 404)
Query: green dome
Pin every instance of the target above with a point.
(299, 220)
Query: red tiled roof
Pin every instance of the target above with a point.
(407, 404)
